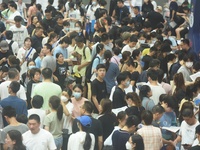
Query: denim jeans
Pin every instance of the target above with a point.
(58, 142)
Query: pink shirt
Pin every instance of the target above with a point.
(77, 104)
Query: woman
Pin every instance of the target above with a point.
(77, 100)
(107, 118)
(136, 55)
(131, 67)
(134, 105)
(146, 7)
(53, 39)
(135, 143)
(25, 53)
(34, 75)
(73, 15)
(32, 11)
(32, 26)
(125, 58)
(116, 58)
(53, 122)
(3, 73)
(145, 94)
(82, 140)
(14, 140)
(61, 70)
(112, 71)
(61, 10)
(81, 31)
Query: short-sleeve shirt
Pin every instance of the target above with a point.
(122, 13)
(49, 62)
(119, 98)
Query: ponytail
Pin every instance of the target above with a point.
(60, 112)
(88, 139)
(55, 104)
(107, 56)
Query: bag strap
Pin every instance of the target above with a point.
(116, 61)
(28, 53)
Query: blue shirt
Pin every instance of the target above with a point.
(59, 49)
(38, 62)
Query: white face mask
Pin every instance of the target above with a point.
(128, 146)
(189, 64)
(142, 41)
(64, 98)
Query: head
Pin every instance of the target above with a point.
(13, 6)
(14, 139)
(79, 41)
(147, 117)
(133, 99)
(132, 123)
(47, 49)
(34, 123)
(100, 49)
(48, 14)
(34, 20)
(37, 101)
(136, 10)
(136, 142)
(157, 111)
(168, 103)
(18, 20)
(185, 44)
(55, 104)
(9, 35)
(188, 60)
(65, 42)
(101, 70)
(131, 65)
(47, 73)
(3, 72)
(124, 79)
(145, 91)
(121, 118)
(35, 74)
(106, 106)
(14, 87)
(154, 64)
(152, 75)
(13, 74)
(120, 3)
(27, 42)
(188, 116)
(8, 113)
(66, 95)
(133, 41)
(78, 91)
(197, 131)
(4, 46)
(66, 26)
(60, 58)
(87, 108)
(179, 80)
(39, 31)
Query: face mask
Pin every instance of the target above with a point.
(67, 29)
(64, 98)
(31, 67)
(77, 95)
(127, 83)
(128, 146)
(189, 64)
(142, 41)
(94, 3)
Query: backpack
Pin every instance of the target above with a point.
(88, 73)
(10, 45)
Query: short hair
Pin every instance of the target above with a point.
(133, 38)
(136, 7)
(102, 3)
(79, 39)
(88, 106)
(66, 40)
(104, 37)
(9, 112)
(187, 113)
(147, 117)
(48, 46)
(48, 10)
(186, 41)
(153, 74)
(38, 28)
(100, 66)
(9, 35)
(13, 5)
(18, 19)
(50, 2)
(34, 117)
(197, 129)
(158, 109)
(132, 120)
(47, 73)
(37, 101)
(122, 77)
(33, 71)
(12, 73)
(121, 1)
(160, 75)
(169, 100)
(66, 23)
(154, 63)
(14, 86)
(22, 118)
(73, 34)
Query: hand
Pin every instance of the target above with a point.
(55, 78)
(4, 59)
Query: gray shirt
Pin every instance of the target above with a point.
(49, 62)
(186, 73)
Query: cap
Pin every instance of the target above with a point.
(126, 35)
(159, 8)
(4, 45)
(85, 121)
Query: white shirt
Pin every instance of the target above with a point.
(43, 140)
(14, 46)
(77, 140)
(20, 8)
(67, 124)
(90, 12)
(128, 48)
(11, 18)
(108, 141)
(38, 112)
(4, 91)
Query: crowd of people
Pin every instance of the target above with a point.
(83, 77)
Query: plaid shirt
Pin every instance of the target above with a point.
(152, 137)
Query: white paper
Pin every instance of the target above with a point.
(194, 76)
(173, 129)
(172, 24)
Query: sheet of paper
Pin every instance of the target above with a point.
(173, 129)
(194, 76)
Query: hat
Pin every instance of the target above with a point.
(159, 8)
(126, 35)
(4, 45)
(85, 121)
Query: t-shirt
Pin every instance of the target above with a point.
(67, 124)
(59, 49)
(55, 125)
(119, 98)
(42, 140)
(77, 104)
(20, 8)
(134, 110)
(195, 148)
(5, 55)
(122, 13)
(36, 42)
(41, 89)
(155, 18)
(147, 103)
(41, 113)
(186, 73)
(49, 62)
(127, 48)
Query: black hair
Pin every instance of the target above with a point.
(122, 77)
(116, 51)
(50, 2)
(73, 34)
(104, 37)
(153, 49)
(78, 86)
(51, 37)
(14, 5)
(33, 71)
(9, 112)
(169, 100)
(132, 120)
(4, 5)
(14, 86)
(37, 101)
(153, 74)
(135, 53)
(48, 46)
(56, 105)
(106, 105)
(121, 115)
(12, 73)
(22, 118)
(158, 109)
(79, 39)
(32, 17)
(144, 90)
(27, 38)
(100, 66)
(107, 56)
(133, 38)
(187, 57)
(187, 113)
(171, 57)
(88, 106)
(48, 10)
(119, 42)
(4, 68)
(33, 2)
(68, 90)
(66, 23)
(160, 75)
(34, 117)
(186, 41)
(125, 56)
(47, 73)
(9, 35)
(190, 89)
(58, 54)
(99, 48)
(132, 63)
(66, 40)
(153, 63)
(147, 24)
(18, 19)
(102, 3)
(147, 117)
(138, 140)
(102, 30)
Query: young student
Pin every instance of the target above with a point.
(98, 86)
(37, 103)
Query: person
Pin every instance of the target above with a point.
(37, 103)
(131, 45)
(40, 89)
(32, 11)
(135, 143)
(4, 52)
(123, 81)
(149, 133)
(14, 101)
(78, 100)
(157, 111)
(13, 45)
(197, 131)
(36, 137)
(96, 127)
(106, 117)
(187, 129)
(13, 75)
(82, 138)
(20, 32)
(120, 137)
(21, 8)
(3, 73)
(48, 21)
(147, 7)
(14, 140)
(145, 94)
(59, 24)
(53, 122)
(98, 87)
(37, 38)
(32, 26)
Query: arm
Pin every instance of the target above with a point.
(83, 65)
(46, 128)
(177, 140)
(65, 110)
(100, 142)
(94, 99)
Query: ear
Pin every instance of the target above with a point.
(14, 142)
(133, 145)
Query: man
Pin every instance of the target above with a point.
(149, 57)
(98, 87)
(156, 88)
(13, 46)
(83, 55)
(48, 21)
(121, 136)
(138, 17)
(36, 40)
(96, 127)
(187, 131)
(48, 61)
(13, 75)
(20, 32)
(52, 8)
(123, 80)
(12, 100)
(36, 137)
(157, 111)
(197, 147)
(149, 133)
(130, 47)
(46, 89)
(121, 11)
(9, 114)
(4, 52)
(59, 24)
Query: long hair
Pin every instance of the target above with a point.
(179, 82)
(144, 90)
(106, 105)
(55, 104)
(134, 98)
(107, 56)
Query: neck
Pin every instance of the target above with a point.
(12, 94)
(121, 87)
(125, 128)
(59, 62)
(154, 82)
(100, 79)
(13, 122)
(47, 80)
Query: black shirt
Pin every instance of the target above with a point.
(30, 29)
(95, 129)
(155, 18)
(173, 7)
(36, 41)
(122, 13)
(146, 59)
(119, 98)
(195, 148)
(48, 23)
(57, 29)
(5, 55)
(146, 8)
(134, 110)
(134, 76)
(99, 90)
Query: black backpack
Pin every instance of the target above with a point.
(88, 73)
